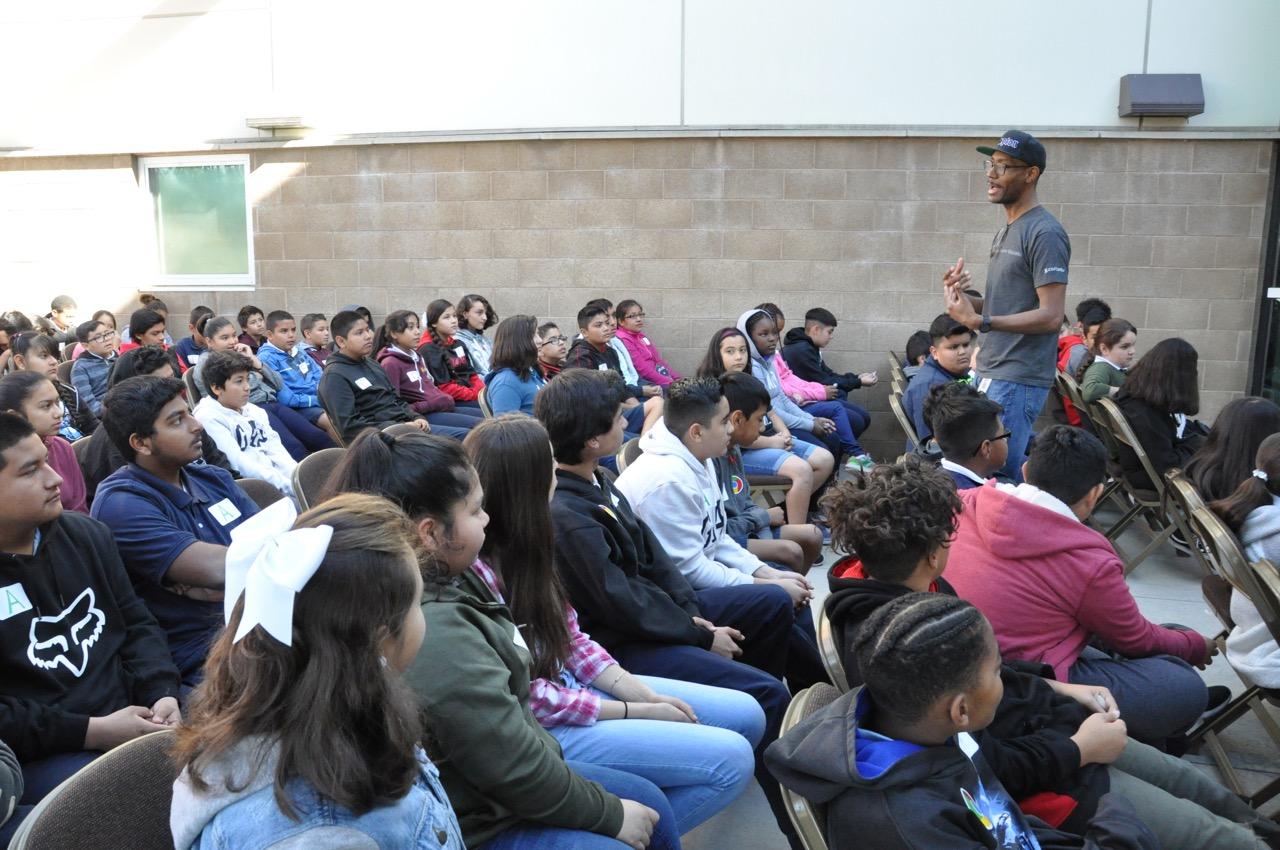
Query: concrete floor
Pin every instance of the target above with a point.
(1167, 588)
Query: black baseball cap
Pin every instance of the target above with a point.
(944, 326)
(1019, 145)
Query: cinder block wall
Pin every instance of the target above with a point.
(699, 230)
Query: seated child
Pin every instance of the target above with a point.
(475, 316)
(193, 347)
(515, 379)
(333, 759)
(948, 361)
(90, 370)
(446, 356)
(146, 327)
(35, 352)
(395, 344)
(553, 349)
(316, 343)
(764, 532)
(822, 400)
(1053, 587)
(897, 763)
(803, 353)
(253, 324)
(917, 351)
(648, 361)
(775, 451)
(673, 488)
(1074, 346)
(598, 711)
(83, 664)
(506, 776)
(61, 319)
(35, 398)
(967, 427)
(594, 351)
(627, 366)
(154, 304)
(1057, 747)
(171, 518)
(239, 427)
(1102, 371)
(299, 374)
(1160, 397)
(356, 391)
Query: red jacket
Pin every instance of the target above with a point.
(1065, 344)
(413, 383)
(1048, 583)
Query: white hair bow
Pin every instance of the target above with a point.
(269, 563)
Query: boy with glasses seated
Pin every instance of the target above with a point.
(93, 366)
(968, 430)
(553, 348)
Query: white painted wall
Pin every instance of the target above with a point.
(132, 75)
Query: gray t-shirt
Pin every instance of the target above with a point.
(1031, 252)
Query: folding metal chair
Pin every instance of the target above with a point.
(808, 818)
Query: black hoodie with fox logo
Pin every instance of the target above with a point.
(75, 640)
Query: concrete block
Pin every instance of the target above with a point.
(1187, 252)
(663, 153)
(443, 215)
(1088, 155)
(357, 244)
(281, 219)
(689, 244)
(768, 277)
(1065, 187)
(1189, 188)
(444, 275)
(382, 159)
(521, 243)
(333, 217)
(919, 216)
(722, 153)
(785, 153)
(1120, 250)
(1185, 315)
(1226, 284)
(1217, 157)
(785, 215)
(491, 215)
(408, 188)
(937, 185)
(754, 183)
(1231, 315)
(692, 302)
(305, 190)
(464, 244)
(936, 247)
(546, 155)
(908, 154)
(492, 156)
(384, 273)
(406, 244)
(632, 184)
(308, 246)
(517, 300)
(693, 183)
(667, 213)
(1093, 218)
(844, 215)
(596, 274)
(1238, 252)
(486, 275)
(547, 214)
(908, 277)
(268, 246)
(961, 154)
(1155, 219)
(519, 185)
(282, 272)
(1145, 282)
(857, 154)
(575, 185)
(841, 276)
(312, 299)
(464, 186)
(1160, 156)
(335, 160)
(1220, 220)
(543, 272)
(1244, 188)
(876, 185)
(874, 246)
(1140, 188)
(812, 244)
(720, 215)
(612, 212)
(438, 156)
(720, 274)
(815, 184)
(604, 153)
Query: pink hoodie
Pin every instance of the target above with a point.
(645, 357)
(794, 385)
(1048, 583)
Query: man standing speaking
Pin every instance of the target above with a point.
(1026, 294)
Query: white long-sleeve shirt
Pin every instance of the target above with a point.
(251, 445)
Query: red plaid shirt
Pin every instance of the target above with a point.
(553, 703)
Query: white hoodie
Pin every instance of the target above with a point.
(683, 505)
(251, 445)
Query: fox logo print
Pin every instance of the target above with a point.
(66, 638)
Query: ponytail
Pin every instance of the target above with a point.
(1254, 492)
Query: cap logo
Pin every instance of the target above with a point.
(1007, 142)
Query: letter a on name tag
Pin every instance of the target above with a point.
(13, 601)
(224, 512)
(363, 383)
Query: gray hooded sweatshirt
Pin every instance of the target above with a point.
(763, 369)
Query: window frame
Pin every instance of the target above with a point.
(193, 282)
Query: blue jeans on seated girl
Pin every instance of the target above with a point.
(701, 767)
(844, 439)
(628, 786)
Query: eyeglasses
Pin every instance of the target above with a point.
(998, 168)
(631, 316)
(998, 437)
(102, 337)
(553, 340)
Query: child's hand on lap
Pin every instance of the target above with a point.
(1101, 738)
(166, 712)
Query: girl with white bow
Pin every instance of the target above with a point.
(303, 728)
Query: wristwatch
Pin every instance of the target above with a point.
(985, 326)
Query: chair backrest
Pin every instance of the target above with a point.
(895, 404)
(81, 446)
(64, 371)
(193, 392)
(1070, 390)
(119, 800)
(1111, 419)
(263, 493)
(312, 472)
(1267, 582)
(1225, 551)
(829, 650)
(628, 453)
(895, 367)
(1216, 591)
(808, 819)
(483, 400)
(1181, 495)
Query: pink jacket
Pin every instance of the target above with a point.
(1048, 583)
(793, 385)
(648, 362)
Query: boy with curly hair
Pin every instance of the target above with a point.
(1058, 748)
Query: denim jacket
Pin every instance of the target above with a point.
(300, 374)
(250, 819)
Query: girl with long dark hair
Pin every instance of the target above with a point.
(1158, 399)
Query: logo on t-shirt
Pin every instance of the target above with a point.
(1052, 269)
(66, 638)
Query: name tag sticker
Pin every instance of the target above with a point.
(603, 367)
(518, 639)
(363, 383)
(224, 512)
(984, 385)
(13, 601)
(303, 367)
(414, 375)
(193, 359)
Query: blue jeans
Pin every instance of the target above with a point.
(843, 440)
(625, 785)
(456, 425)
(1021, 405)
(701, 767)
(299, 437)
(1158, 697)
